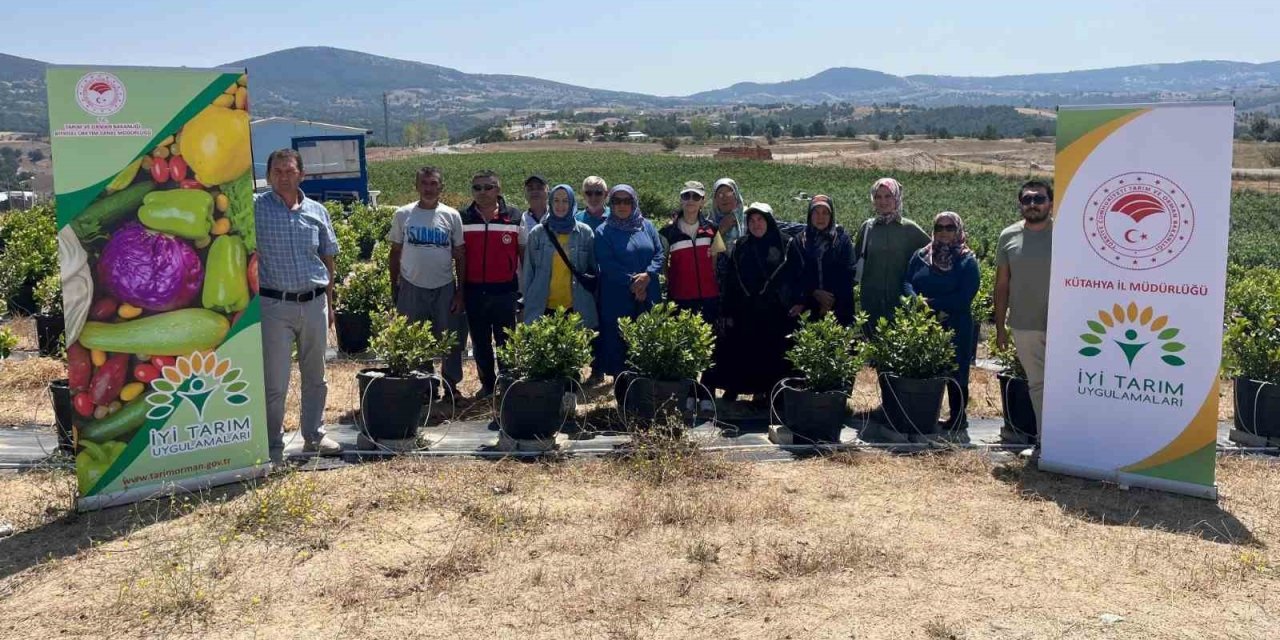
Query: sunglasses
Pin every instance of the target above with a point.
(483, 187)
(622, 203)
(689, 195)
(594, 193)
(944, 227)
(1038, 198)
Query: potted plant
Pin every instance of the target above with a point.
(1015, 396)
(668, 349)
(362, 294)
(983, 306)
(913, 355)
(815, 408)
(30, 251)
(1252, 348)
(49, 325)
(391, 397)
(7, 342)
(542, 360)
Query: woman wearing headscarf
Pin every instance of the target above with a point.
(828, 263)
(945, 272)
(884, 245)
(761, 298)
(629, 254)
(726, 210)
(551, 282)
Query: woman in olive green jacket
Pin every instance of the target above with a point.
(884, 245)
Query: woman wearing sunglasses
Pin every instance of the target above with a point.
(630, 257)
(945, 272)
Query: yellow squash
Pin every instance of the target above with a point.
(215, 144)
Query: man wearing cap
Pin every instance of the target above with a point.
(494, 240)
(296, 245)
(692, 243)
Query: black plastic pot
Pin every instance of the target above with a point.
(646, 400)
(366, 248)
(353, 330)
(910, 405)
(62, 415)
(1015, 401)
(23, 301)
(532, 409)
(1257, 407)
(391, 407)
(49, 330)
(814, 416)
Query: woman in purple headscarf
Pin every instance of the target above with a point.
(629, 254)
(945, 272)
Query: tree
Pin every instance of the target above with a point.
(798, 130)
(700, 128)
(35, 155)
(943, 133)
(989, 133)
(818, 128)
(670, 143)
(1258, 125)
(883, 135)
(746, 129)
(773, 129)
(897, 133)
(496, 134)
(848, 132)
(580, 135)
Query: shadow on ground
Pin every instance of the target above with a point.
(1108, 504)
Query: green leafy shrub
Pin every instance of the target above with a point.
(913, 344)
(7, 342)
(30, 248)
(1252, 347)
(408, 346)
(49, 294)
(348, 247)
(1252, 293)
(366, 289)
(825, 353)
(552, 347)
(983, 305)
(666, 343)
(371, 224)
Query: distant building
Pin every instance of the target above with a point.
(637, 135)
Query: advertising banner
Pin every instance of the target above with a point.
(1134, 337)
(154, 183)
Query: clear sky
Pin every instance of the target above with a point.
(660, 47)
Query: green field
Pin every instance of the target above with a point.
(984, 200)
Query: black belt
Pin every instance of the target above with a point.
(289, 296)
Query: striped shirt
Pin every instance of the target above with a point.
(291, 243)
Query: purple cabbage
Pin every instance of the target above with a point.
(153, 271)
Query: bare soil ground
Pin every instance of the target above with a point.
(672, 544)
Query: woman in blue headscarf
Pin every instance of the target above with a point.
(551, 283)
(629, 254)
(945, 272)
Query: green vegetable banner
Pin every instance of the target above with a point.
(154, 181)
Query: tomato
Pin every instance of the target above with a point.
(177, 168)
(159, 170)
(83, 404)
(145, 372)
(163, 361)
(103, 310)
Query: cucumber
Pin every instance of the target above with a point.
(173, 333)
(119, 425)
(93, 221)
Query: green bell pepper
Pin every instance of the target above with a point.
(186, 213)
(94, 460)
(226, 277)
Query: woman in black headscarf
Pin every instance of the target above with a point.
(762, 295)
(828, 263)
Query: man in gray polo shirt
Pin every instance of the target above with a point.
(1023, 256)
(296, 246)
(428, 258)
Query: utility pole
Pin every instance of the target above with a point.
(386, 120)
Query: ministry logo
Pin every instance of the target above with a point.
(1138, 221)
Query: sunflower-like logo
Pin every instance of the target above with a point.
(196, 379)
(1132, 329)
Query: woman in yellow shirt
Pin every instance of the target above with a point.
(550, 283)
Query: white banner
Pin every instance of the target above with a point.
(1135, 307)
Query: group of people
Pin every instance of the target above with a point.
(481, 270)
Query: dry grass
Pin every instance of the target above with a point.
(861, 545)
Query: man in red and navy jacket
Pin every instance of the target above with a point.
(692, 243)
(495, 240)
